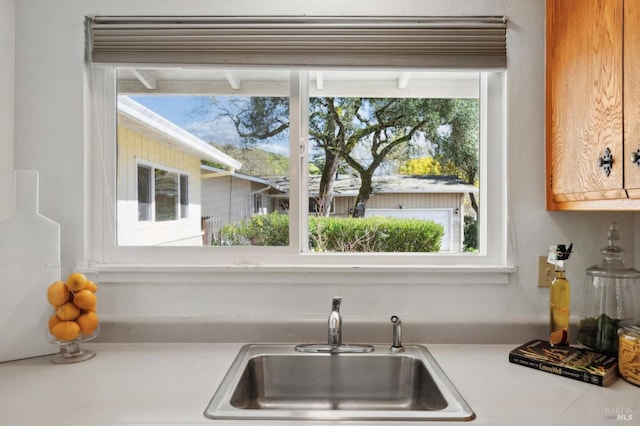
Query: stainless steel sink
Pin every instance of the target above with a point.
(277, 382)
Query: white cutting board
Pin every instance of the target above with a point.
(29, 262)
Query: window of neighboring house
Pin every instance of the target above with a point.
(158, 197)
(166, 195)
(257, 203)
(314, 153)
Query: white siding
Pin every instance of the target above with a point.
(133, 148)
(227, 198)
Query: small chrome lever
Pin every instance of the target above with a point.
(397, 335)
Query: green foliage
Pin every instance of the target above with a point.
(455, 143)
(261, 230)
(374, 234)
(314, 169)
(257, 162)
(470, 234)
(332, 234)
(420, 167)
(457, 149)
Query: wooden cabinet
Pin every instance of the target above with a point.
(592, 104)
(632, 97)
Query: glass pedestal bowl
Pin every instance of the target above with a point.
(72, 351)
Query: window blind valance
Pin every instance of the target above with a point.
(403, 42)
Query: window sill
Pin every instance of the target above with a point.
(304, 274)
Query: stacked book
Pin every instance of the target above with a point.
(568, 361)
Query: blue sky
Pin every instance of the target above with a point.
(177, 109)
(196, 115)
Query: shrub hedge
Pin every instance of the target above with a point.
(338, 234)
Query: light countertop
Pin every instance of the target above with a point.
(169, 383)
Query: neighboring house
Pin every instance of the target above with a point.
(437, 198)
(233, 197)
(159, 186)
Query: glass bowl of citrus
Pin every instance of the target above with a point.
(73, 317)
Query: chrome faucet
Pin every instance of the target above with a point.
(334, 344)
(335, 323)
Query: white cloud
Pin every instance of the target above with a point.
(276, 148)
(219, 130)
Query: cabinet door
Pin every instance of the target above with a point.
(632, 96)
(584, 100)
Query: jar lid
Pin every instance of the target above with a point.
(613, 265)
(630, 326)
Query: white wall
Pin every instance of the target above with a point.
(7, 102)
(50, 137)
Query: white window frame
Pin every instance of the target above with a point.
(490, 265)
(150, 213)
(154, 166)
(181, 187)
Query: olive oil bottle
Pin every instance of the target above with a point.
(559, 299)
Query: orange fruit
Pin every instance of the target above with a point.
(84, 299)
(66, 330)
(76, 281)
(88, 322)
(68, 312)
(53, 321)
(58, 294)
(91, 286)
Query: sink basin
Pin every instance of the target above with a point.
(276, 382)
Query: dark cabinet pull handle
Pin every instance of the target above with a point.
(635, 157)
(605, 162)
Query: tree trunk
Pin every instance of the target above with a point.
(363, 196)
(474, 202)
(327, 182)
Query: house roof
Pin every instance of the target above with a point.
(430, 184)
(348, 185)
(136, 117)
(213, 171)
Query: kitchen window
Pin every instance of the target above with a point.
(292, 193)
